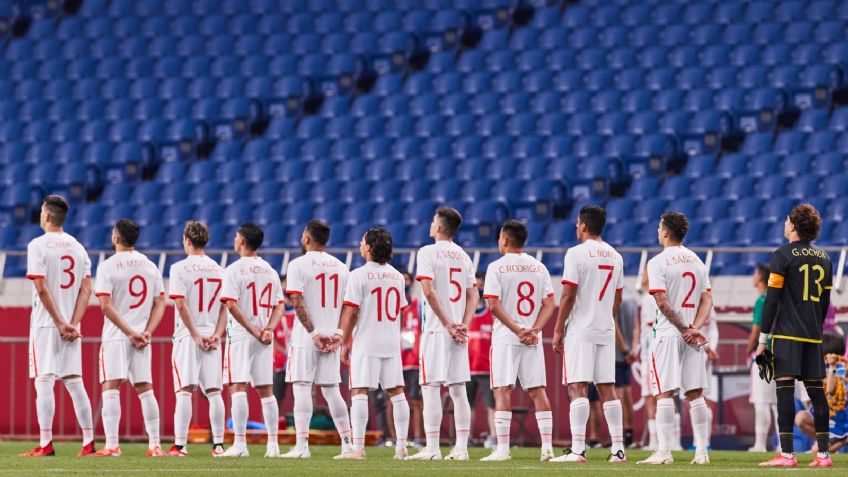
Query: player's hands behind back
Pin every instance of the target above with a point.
(68, 332)
(694, 337)
(528, 337)
(327, 344)
(458, 332)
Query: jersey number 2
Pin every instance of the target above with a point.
(686, 303)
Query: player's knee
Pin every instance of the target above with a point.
(694, 394)
(802, 419)
(189, 389)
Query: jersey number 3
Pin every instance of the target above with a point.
(805, 269)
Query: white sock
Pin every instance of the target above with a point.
(302, 413)
(652, 433)
(217, 415)
(699, 413)
(400, 409)
(503, 426)
(238, 403)
(111, 414)
(578, 416)
(182, 418)
(614, 415)
(545, 423)
(665, 425)
(338, 410)
(461, 414)
(432, 415)
(359, 419)
(675, 431)
(150, 411)
(82, 408)
(271, 414)
(45, 406)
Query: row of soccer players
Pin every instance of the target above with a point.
(352, 318)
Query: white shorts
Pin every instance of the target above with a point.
(49, 354)
(247, 360)
(761, 391)
(517, 362)
(587, 362)
(191, 366)
(309, 365)
(120, 360)
(676, 365)
(443, 360)
(374, 371)
(645, 342)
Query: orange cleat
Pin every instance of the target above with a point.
(87, 450)
(780, 461)
(155, 452)
(46, 451)
(821, 462)
(175, 451)
(116, 452)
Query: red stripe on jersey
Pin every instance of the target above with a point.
(656, 290)
(294, 292)
(88, 276)
(175, 297)
(33, 277)
(423, 370)
(102, 366)
(34, 362)
(177, 374)
(709, 289)
(225, 299)
(491, 371)
(550, 295)
(423, 277)
(102, 294)
(491, 296)
(351, 304)
(619, 289)
(566, 282)
(229, 366)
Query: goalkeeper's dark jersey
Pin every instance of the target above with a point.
(798, 292)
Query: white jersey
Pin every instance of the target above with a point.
(379, 293)
(682, 276)
(521, 283)
(321, 279)
(199, 280)
(452, 273)
(63, 263)
(132, 281)
(255, 287)
(648, 313)
(597, 271)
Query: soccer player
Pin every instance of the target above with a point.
(373, 301)
(132, 297)
(60, 271)
(763, 394)
(253, 296)
(195, 285)
(447, 279)
(315, 283)
(591, 297)
(680, 286)
(479, 344)
(520, 294)
(797, 301)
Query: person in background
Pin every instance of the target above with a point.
(282, 339)
(628, 319)
(479, 344)
(836, 390)
(763, 395)
(410, 342)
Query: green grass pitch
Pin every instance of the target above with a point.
(525, 461)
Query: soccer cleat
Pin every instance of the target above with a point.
(821, 462)
(175, 451)
(657, 459)
(155, 452)
(235, 451)
(427, 454)
(217, 450)
(496, 456)
(297, 453)
(617, 458)
(456, 454)
(46, 451)
(547, 455)
(352, 455)
(701, 459)
(272, 451)
(780, 460)
(87, 450)
(402, 454)
(569, 456)
(116, 452)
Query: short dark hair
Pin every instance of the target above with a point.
(128, 232)
(380, 241)
(594, 217)
(318, 231)
(833, 343)
(57, 207)
(252, 235)
(807, 222)
(480, 275)
(516, 231)
(197, 233)
(676, 224)
(450, 218)
(763, 271)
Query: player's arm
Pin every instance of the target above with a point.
(302, 312)
(435, 303)
(616, 309)
(112, 315)
(65, 329)
(235, 311)
(502, 316)
(185, 315)
(350, 315)
(545, 314)
(276, 316)
(471, 297)
(566, 304)
(81, 305)
(826, 288)
(156, 314)
(705, 307)
(668, 311)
